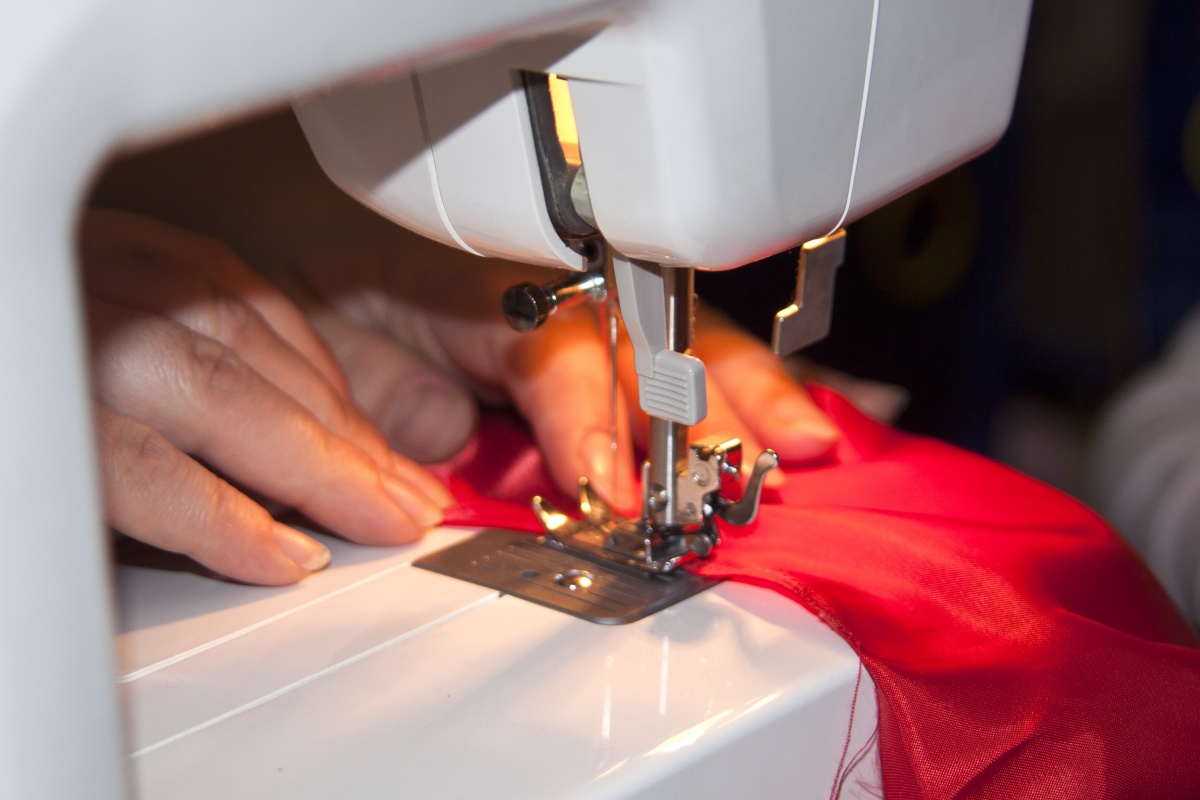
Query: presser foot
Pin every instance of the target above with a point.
(651, 544)
(638, 544)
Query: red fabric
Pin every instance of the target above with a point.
(1019, 648)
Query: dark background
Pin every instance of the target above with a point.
(1012, 296)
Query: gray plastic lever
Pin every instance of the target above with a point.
(670, 384)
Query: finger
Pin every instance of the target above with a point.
(240, 327)
(281, 314)
(151, 277)
(141, 258)
(773, 408)
(558, 378)
(205, 400)
(882, 401)
(559, 384)
(639, 421)
(157, 494)
(422, 413)
(393, 296)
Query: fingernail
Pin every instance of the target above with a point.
(424, 511)
(596, 451)
(803, 417)
(306, 552)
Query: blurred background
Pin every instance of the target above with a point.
(1012, 296)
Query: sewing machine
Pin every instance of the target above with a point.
(709, 134)
(671, 137)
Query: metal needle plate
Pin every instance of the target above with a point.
(528, 567)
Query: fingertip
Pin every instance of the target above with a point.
(305, 552)
(367, 504)
(388, 524)
(775, 479)
(626, 498)
(598, 457)
(795, 426)
(415, 504)
(607, 469)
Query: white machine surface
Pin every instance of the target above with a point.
(712, 132)
(375, 679)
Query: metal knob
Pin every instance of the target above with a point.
(526, 306)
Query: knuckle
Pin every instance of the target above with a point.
(345, 417)
(218, 370)
(238, 324)
(145, 457)
(228, 513)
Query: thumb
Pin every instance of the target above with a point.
(422, 413)
(557, 377)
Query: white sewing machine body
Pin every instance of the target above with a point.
(375, 679)
(713, 133)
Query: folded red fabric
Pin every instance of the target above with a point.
(1018, 646)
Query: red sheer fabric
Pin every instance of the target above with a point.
(1019, 648)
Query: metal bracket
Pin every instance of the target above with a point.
(806, 320)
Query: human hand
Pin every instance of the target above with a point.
(200, 367)
(416, 325)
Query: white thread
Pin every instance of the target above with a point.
(313, 677)
(862, 117)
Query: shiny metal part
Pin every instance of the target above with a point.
(745, 510)
(602, 566)
(714, 464)
(806, 320)
(606, 536)
(581, 198)
(522, 565)
(526, 306)
(616, 569)
(667, 458)
(683, 489)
